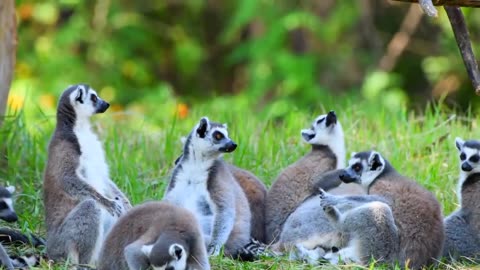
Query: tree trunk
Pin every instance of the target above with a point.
(8, 44)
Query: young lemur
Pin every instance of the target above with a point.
(158, 235)
(202, 182)
(369, 227)
(295, 183)
(416, 211)
(462, 227)
(81, 202)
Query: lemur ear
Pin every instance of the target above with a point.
(203, 127)
(352, 155)
(183, 139)
(176, 251)
(225, 125)
(11, 189)
(79, 94)
(375, 161)
(147, 249)
(459, 143)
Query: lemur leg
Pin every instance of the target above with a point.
(5, 259)
(332, 214)
(135, 257)
(79, 236)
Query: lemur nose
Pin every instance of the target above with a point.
(466, 167)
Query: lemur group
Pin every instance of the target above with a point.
(321, 209)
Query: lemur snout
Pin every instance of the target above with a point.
(331, 118)
(229, 147)
(466, 167)
(103, 106)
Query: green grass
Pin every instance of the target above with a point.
(141, 149)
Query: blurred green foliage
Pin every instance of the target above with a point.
(277, 53)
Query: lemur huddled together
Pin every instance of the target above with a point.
(320, 209)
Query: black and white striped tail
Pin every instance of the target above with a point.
(252, 251)
(25, 262)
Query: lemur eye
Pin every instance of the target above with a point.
(320, 120)
(218, 135)
(357, 167)
(93, 98)
(474, 158)
(463, 156)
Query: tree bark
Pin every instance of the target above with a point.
(8, 45)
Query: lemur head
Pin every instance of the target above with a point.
(326, 130)
(210, 139)
(364, 168)
(81, 101)
(469, 155)
(167, 255)
(7, 212)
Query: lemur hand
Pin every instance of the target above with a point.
(213, 250)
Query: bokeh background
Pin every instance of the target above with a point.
(270, 54)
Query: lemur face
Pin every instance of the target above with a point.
(323, 129)
(176, 259)
(469, 155)
(7, 212)
(210, 137)
(363, 168)
(86, 102)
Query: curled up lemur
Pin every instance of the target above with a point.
(202, 182)
(462, 227)
(416, 211)
(295, 183)
(158, 235)
(81, 202)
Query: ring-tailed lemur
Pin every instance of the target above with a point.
(416, 211)
(156, 234)
(81, 202)
(256, 193)
(462, 227)
(369, 226)
(294, 184)
(8, 214)
(202, 182)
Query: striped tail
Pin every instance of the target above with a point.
(252, 251)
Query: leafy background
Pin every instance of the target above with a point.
(278, 54)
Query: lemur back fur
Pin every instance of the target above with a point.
(294, 184)
(416, 211)
(153, 226)
(202, 182)
(81, 202)
(462, 227)
(256, 193)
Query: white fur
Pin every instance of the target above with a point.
(311, 256)
(330, 136)
(368, 176)
(190, 187)
(11, 189)
(9, 203)
(348, 254)
(464, 175)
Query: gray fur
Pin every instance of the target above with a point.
(256, 194)
(72, 206)
(416, 211)
(370, 227)
(153, 223)
(231, 225)
(462, 227)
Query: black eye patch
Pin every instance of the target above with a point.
(475, 158)
(3, 205)
(463, 156)
(218, 135)
(357, 167)
(93, 98)
(320, 120)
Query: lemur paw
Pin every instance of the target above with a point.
(213, 250)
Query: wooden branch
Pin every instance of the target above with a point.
(462, 37)
(460, 3)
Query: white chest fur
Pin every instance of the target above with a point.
(93, 169)
(190, 191)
